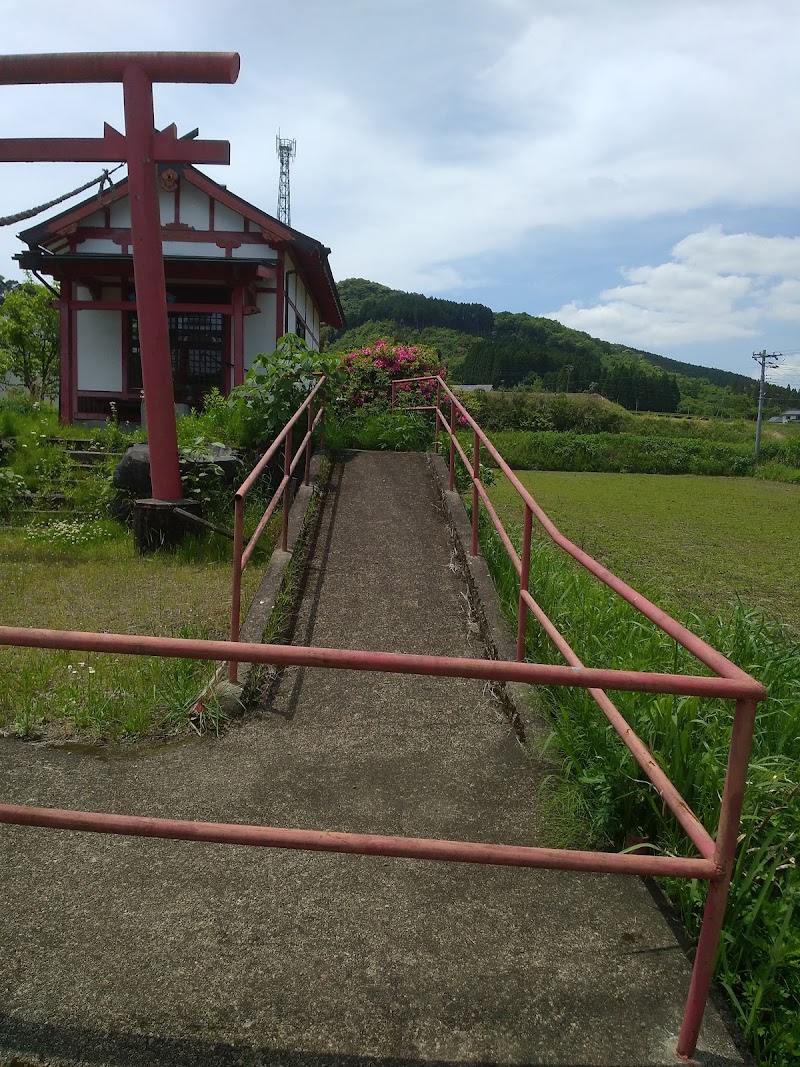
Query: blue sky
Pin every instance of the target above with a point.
(630, 167)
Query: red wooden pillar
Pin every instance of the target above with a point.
(237, 320)
(151, 292)
(142, 148)
(280, 298)
(67, 370)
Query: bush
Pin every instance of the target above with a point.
(12, 491)
(395, 431)
(273, 390)
(621, 453)
(368, 374)
(536, 412)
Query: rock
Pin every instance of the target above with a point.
(132, 474)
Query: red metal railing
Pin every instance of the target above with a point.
(715, 856)
(242, 552)
(720, 851)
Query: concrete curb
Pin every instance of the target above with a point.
(519, 700)
(278, 575)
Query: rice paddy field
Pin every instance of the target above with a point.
(721, 555)
(691, 541)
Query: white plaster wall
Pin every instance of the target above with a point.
(166, 205)
(120, 213)
(251, 251)
(225, 219)
(189, 248)
(97, 218)
(82, 293)
(259, 330)
(103, 245)
(194, 207)
(99, 339)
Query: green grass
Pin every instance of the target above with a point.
(85, 575)
(690, 541)
(652, 531)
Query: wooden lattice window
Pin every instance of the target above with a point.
(198, 348)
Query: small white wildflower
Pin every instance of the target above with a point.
(91, 670)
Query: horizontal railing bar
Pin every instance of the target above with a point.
(382, 662)
(254, 474)
(358, 844)
(698, 834)
(691, 642)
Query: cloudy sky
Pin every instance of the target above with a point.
(629, 167)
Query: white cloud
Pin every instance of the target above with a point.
(716, 286)
(431, 135)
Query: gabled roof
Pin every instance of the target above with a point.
(310, 256)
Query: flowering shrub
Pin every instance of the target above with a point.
(369, 372)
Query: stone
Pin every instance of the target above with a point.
(132, 474)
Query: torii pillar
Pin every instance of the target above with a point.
(142, 148)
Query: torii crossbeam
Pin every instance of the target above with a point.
(142, 148)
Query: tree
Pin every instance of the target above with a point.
(6, 286)
(29, 340)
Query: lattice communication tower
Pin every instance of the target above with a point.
(286, 149)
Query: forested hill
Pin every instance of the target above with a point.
(364, 301)
(525, 351)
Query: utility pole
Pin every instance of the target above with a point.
(770, 360)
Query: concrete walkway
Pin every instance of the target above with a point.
(123, 951)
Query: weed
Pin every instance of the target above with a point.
(758, 960)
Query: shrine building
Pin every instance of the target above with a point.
(237, 279)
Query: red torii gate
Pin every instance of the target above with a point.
(142, 147)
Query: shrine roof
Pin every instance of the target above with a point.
(309, 254)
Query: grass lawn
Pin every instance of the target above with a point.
(103, 585)
(688, 541)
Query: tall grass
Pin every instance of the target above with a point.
(759, 959)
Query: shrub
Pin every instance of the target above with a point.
(395, 431)
(273, 390)
(368, 374)
(535, 412)
(12, 491)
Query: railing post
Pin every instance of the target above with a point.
(287, 465)
(714, 913)
(394, 394)
(452, 480)
(436, 415)
(476, 477)
(524, 584)
(236, 592)
(310, 436)
(322, 420)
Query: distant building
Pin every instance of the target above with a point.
(792, 415)
(237, 279)
(472, 388)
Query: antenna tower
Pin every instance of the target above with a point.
(286, 149)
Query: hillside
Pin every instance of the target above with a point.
(480, 346)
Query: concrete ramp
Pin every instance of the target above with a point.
(123, 951)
